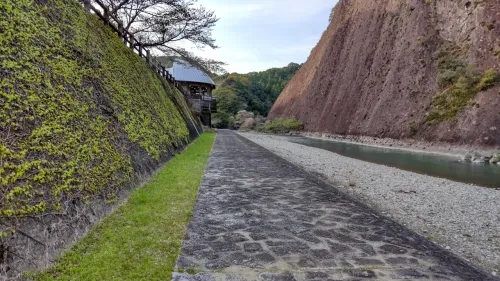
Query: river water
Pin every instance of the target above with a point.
(441, 166)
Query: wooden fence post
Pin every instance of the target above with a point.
(120, 29)
(148, 56)
(86, 5)
(140, 49)
(106, 15)
(132, 41)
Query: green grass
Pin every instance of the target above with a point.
(141, 239)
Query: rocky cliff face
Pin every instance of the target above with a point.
(421, 69)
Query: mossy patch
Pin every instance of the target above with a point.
(489, 79)
(72, 100)
(459, 83)
(281, 125)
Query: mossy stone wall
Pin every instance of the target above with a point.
(78, 111)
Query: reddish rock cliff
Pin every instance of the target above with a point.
(376, 69)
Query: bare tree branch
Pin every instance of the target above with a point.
(181, 55)
(166, 24)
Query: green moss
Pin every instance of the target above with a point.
(459, 84)
(490, 78)
(72, 99)
(281, 125)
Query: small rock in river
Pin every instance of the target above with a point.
(486, 159)
(467, 158)
(495, 158)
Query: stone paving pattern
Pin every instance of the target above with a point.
(259, 217)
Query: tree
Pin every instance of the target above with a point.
(166, 24)
(227, 100)
(255, 92)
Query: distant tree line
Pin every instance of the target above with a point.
(255, 92)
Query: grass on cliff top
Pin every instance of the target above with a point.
(140, 240)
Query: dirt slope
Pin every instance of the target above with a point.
(403, 69)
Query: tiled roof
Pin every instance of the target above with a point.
(188, 73)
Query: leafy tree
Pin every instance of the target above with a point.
(255, 92)
(227, 101)
(223, 119)
(162, 24)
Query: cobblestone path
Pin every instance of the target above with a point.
(259, 217)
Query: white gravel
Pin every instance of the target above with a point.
(460, 217)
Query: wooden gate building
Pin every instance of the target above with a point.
(198, 87)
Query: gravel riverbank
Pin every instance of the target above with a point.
(460, 217)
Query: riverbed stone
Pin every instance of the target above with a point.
(258, 217)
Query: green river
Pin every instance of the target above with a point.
(435, 165)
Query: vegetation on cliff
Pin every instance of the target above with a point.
(74, 102)
(459, 83)
(255, 92)
(426, 70)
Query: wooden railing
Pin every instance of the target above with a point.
(202, 106)
(208, 104)
(128, 39)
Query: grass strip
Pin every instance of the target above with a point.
(141, 239)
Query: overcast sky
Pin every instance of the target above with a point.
(255, 35)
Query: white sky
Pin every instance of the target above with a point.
(256, 35)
